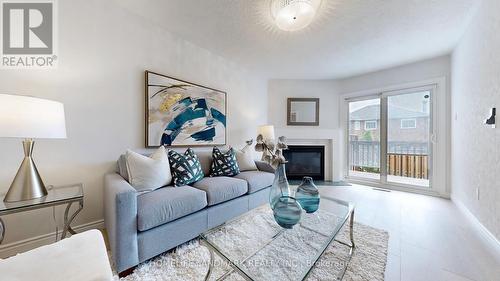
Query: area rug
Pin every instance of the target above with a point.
(190, 261)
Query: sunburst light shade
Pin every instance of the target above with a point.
(292, 15)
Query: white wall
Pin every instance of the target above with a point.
(409, 73)
(325, 90)
(476, 89)
(104, 51)
(325, 133)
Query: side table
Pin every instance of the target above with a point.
(57, 195)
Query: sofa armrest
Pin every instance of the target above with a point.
(120, 218)
(264, 167)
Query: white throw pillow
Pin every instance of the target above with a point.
(148, 173)
(244, 157)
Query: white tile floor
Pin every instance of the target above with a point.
(390, 178)
(430, 239)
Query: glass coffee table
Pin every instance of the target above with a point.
(256, 248)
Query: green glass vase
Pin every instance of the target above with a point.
(307, 195)
(280, 186)
(287, 212)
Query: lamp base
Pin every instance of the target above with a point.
(27, 184)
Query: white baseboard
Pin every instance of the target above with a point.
(21, 246)
(485, 234)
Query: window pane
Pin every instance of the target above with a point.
(364, 139)
(357, 125)
(408, 123)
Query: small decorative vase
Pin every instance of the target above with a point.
(280, 186)
(308, 195)
(287, 212)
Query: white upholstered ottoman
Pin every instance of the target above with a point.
(80, 257)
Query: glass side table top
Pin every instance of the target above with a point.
(56, 195)
(257, 248)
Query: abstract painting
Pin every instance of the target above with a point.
(180, 113)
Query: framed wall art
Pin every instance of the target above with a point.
(181, 113)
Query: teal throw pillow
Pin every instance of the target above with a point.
(186, 168)
(224, 164)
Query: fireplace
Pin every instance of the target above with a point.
(305, 161)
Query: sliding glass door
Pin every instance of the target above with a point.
(408, 138)
(389, 137)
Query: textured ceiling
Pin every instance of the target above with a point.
(348, 37)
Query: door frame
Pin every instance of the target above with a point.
(439, 171)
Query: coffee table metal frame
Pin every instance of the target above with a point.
(213, 249)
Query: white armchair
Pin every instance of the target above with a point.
(82, 257)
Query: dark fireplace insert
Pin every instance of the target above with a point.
(305, 161)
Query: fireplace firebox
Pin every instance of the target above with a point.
(305, 161)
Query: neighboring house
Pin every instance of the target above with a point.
(404, 125)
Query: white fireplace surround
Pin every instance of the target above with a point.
(330, 139)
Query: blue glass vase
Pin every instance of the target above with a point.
(307, 195)
(280, 186)
(287, 212)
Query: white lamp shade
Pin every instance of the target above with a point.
(28, 117)
(267, 132)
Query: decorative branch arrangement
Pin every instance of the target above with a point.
(272, 153)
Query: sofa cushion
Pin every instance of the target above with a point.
(221, 189)
(245, 159)
(257, 180)
(186, 168)
(205, 157)
(148, 173)
(167, 204)
(224, 164)
(122, 167)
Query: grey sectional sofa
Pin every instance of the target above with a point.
(143, 225)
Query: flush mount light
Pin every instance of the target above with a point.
(292, 15)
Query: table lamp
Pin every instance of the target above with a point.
(267, 132)
(29, 118)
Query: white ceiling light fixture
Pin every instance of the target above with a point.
(292, 15)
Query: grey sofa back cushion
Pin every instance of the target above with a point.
(205, 158)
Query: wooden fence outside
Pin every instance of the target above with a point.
(410, 166)
(403, 158)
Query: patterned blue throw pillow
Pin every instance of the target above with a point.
(186, 168)
(224, 164)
